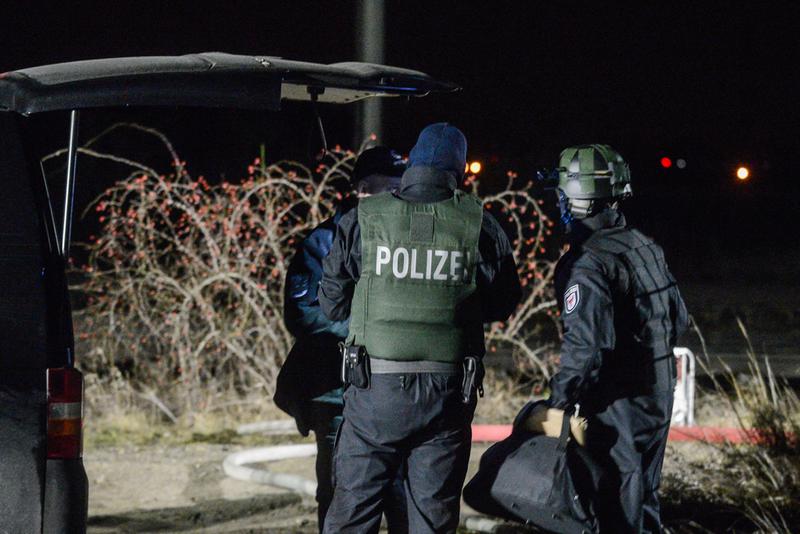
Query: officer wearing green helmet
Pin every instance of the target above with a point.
(591, 175)
(622, 314)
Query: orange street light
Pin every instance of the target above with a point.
(742, 173)
(475, 167)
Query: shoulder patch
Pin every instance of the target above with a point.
(572, 297)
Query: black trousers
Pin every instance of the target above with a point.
(325, 420)
(418, 419)
(628, 436)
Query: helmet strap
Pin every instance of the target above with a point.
(582, 208)
(564, 208)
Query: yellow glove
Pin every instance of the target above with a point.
(548, 421)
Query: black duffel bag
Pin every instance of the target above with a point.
(538, 480)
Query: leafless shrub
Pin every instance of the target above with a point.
(532, 231)
(184, 285)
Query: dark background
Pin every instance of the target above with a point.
(712, 83)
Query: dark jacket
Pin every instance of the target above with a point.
(622, 313)
(312, 368)
(496, 277)
(301, 311)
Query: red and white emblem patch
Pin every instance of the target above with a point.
(571, 298)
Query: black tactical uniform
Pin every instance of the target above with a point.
(622, 312)
(309, 387)
(416, 416)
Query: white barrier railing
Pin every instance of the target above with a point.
(683, 408)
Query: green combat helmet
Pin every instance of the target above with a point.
(591, 176)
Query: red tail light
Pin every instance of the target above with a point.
(64, 413)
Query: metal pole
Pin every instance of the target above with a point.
(52, 232)
(69, 188)
(370, 46)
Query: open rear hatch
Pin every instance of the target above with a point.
(40, 391)
(212, 79)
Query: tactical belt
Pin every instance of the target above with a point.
(385, 367)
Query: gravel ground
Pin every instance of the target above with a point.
(184, 489)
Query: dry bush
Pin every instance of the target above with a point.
(531, 233)
(767, 471)
(185, 283)
(184, 286)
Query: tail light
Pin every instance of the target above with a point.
(64, 413)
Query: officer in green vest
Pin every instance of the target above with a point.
(419, 272)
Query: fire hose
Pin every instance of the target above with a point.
(237, 465)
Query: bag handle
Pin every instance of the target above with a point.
(565, 430)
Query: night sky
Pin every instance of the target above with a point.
(714, 84)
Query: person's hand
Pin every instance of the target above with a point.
(548, 421)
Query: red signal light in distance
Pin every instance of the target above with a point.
(666, 162)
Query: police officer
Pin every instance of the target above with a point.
(418, 272)
(622, 313)
(309, 386)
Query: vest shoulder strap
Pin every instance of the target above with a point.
(387, 203)
(462, 196)
(380, 203)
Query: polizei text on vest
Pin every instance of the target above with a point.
(422, 264)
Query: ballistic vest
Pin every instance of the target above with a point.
(652, 311)
(416, 298)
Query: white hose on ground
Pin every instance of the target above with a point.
(235, 466)
(481, 523)
(281, 426)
